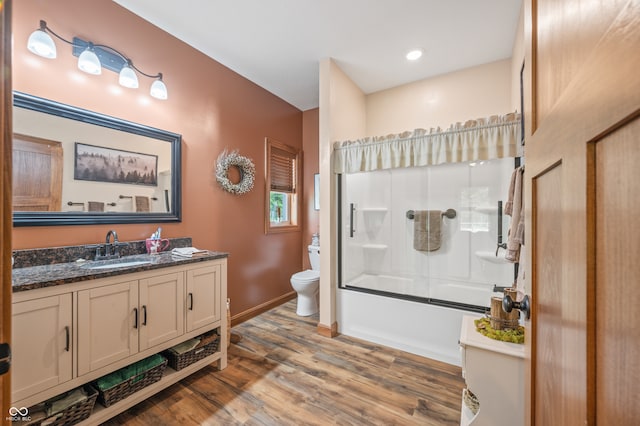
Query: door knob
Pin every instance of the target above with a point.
(508, 304)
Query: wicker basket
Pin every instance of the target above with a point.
(180, 361)
(74, 413)
(122, 390)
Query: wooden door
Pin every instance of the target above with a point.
(6, 215)
(161, 309)
(41, 326)
(203, 296)
(37, 174)
(108, 322)
(582, 103)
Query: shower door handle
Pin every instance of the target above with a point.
(352, 209)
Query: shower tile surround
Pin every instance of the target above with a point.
(43, 267)
(381, 257)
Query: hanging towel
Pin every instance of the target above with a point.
(142, 203)
(516, 228)
(427, 230)
(95, 206)
(508, 206)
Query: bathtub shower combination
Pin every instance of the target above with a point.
(419, 222)
(387, 246)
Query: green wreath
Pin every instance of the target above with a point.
(245, 166)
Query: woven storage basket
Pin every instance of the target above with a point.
(74, 413)
(180, 361)
(122, 390)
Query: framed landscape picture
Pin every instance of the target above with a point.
(100, 164)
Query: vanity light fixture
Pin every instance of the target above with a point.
(93, 57)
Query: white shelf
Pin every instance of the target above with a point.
(101, 413)
(486, 209)
(374, 210)
(375, 246)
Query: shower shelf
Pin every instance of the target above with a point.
(485, 209)
(374, 209)
(375, 246)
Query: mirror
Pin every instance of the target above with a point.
(73, 166)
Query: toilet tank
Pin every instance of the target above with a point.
(314, 257)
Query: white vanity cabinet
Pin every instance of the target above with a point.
(203, 296)
(42, 331)
(65, 336)
(118, 320)
(494, 372)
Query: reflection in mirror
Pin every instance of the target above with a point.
(73, 166)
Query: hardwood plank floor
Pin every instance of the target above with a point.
(283, 372)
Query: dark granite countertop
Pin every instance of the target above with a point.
(64, 273)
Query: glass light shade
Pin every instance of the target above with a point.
(89, 62)
(42, 44)
(128, 77)
(159, 90)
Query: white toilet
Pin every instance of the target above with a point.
(307, 284)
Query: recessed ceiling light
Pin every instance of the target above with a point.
(414, 54)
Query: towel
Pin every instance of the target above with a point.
(126, 373)
(142, 203)
(427, 230)
(188, 252)
(508, 206)
(516, 228)
(95, 206)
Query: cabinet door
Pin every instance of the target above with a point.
(41, 345)
(203, 296)
(161, 309)
(108, 321)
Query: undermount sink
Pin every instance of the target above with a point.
(115, 263)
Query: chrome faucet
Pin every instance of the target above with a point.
(113, 234)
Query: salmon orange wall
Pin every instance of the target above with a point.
(212, 107)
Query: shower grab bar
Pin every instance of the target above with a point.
(352, 209)
(449, 213)
(500, 243)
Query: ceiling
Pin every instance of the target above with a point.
(278, 44)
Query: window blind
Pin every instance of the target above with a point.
(283, 170)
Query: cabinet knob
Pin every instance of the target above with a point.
(508, 304)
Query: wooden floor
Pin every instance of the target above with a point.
(283, 373)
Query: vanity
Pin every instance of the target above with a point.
(494, 372)
(74, 322)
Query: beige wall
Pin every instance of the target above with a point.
(212, 107)
(517, 59)
(342, 116)
(311, 217)
(441, 101)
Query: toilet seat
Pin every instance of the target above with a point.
(306, 276)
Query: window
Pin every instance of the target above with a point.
(282, 204)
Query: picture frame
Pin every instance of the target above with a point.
(101, 164)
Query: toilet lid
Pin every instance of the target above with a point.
(308, 275)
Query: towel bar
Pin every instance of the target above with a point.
(71, 203)
(450, 213)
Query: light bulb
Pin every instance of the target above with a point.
(88, 61)
(158, 89)
(42, 44)
(128, 77)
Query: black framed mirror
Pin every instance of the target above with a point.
(73, 166)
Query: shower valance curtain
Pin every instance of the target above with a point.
(481, 139)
